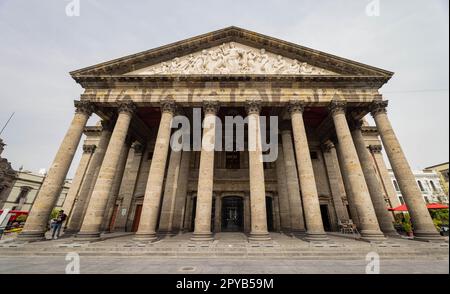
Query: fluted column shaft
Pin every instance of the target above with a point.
(424, 228)
(283, 195)
(370, 229)
(374, 186)
(82, 200)
(295, 201)
(90, 228)
(202, 230)
(259, 231)
(310, 197)
(36, 223)
(152, 198)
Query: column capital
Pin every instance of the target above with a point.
(127, 107)
(337, 107)
(375, 148)
(89, 148)
(168, 105)
(253, 106)
(327, 146)
(378, 107)
(211, 107)
(296, 106)
(85, 107)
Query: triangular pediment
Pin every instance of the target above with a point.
(232, 51)
(232, 59)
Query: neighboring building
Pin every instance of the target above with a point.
(7, 176)
(25, 187)
(442, 171)
(429, 184)
(328, 166)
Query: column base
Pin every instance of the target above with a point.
(202, 237)
(145, 237)
(372, 236)
(316, 237)
(32, 236)
(88, 236)
(426, 236)
(259, 237)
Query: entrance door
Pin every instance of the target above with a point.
(137, 217)
(269, 213)
(325, 217)
(232, 214)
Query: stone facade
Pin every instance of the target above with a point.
(7, 176)
(328, 166)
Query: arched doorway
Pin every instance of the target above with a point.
(232, 214)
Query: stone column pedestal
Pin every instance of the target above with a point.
(36, 224)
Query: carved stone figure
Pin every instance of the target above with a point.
(233, 58)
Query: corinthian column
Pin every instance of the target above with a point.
(370, 229)
(36, 224)
(202, 230)
(152, 198)
(424, 228)
(90, 229)
(295, 201)
(311, 205)
(374, 186)
(259, 231)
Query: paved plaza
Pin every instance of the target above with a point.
(229, 253)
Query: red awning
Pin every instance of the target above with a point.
(429, 206)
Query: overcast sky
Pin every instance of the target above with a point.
(40, 44)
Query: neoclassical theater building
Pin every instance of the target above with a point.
(329, 166)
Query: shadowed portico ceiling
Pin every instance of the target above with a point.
(230, 53)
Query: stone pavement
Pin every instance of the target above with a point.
(232, 245)
(149, 265)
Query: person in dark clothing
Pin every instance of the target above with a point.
(57, 224)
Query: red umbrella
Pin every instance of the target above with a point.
(429, 206)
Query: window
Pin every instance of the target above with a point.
(421, 186)
(314, 155)
(397, 188)
(402, 201)
(233, 160)
(433, 186)
(23, 195)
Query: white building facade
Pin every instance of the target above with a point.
(428, 183)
